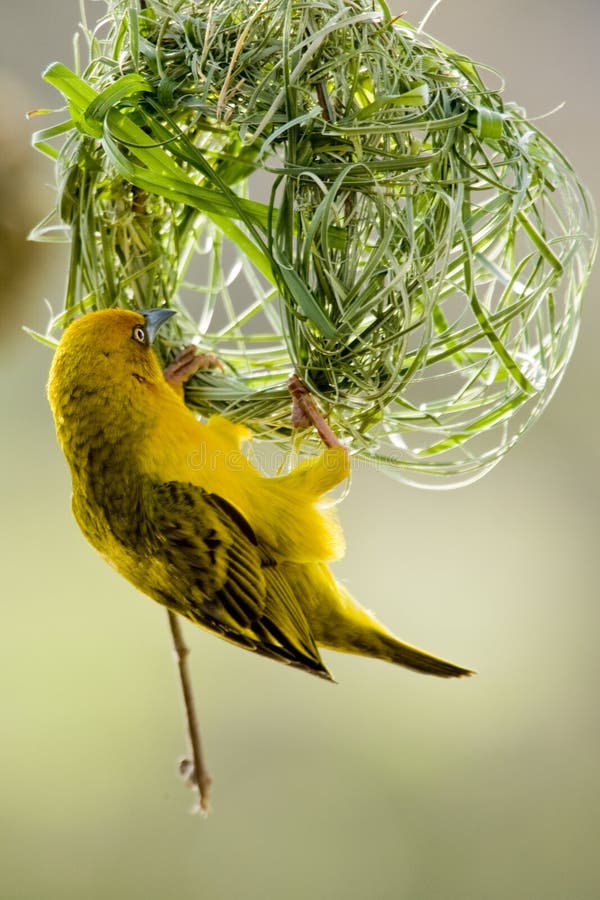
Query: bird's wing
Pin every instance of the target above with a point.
(216, 574)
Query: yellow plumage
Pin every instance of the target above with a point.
(175, 506)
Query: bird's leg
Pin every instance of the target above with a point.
(194, 769)
(186, 364)
(305, 412)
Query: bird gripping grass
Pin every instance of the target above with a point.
(323, 188)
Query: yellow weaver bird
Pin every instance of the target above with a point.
(178, 510)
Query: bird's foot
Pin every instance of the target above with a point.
(305, 412)
(187, 363)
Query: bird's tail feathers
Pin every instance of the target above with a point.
(339, 623)
(389, 648)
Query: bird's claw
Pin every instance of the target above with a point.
(187, 363)
(305, 412)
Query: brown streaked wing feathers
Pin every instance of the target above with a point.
(220, 577)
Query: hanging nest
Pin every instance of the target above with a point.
(420, 259)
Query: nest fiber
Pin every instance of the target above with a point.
(319, 187)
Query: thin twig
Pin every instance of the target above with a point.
(305, 412)
(195, 770)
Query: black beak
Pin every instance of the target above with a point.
(155, 318)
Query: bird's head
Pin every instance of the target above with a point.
(105, 360)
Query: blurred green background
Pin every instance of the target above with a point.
(387, 785)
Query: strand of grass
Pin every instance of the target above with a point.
(96, 114)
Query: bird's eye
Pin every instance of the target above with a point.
(139, 334)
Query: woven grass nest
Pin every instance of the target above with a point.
(319, 187)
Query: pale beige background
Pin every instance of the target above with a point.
(388, 785)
